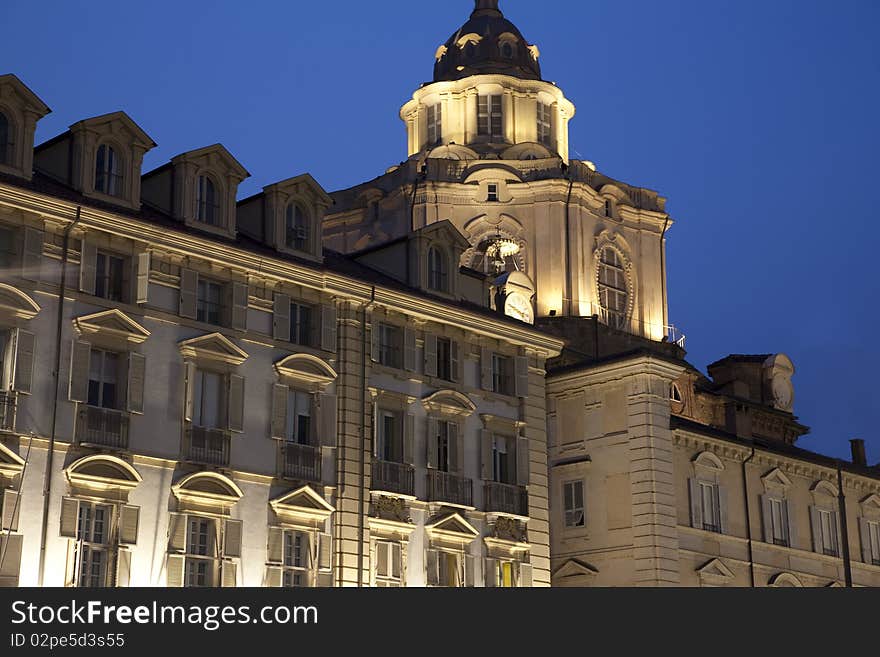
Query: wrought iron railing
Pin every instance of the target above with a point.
(207, 446)
(393, 477)
(301, 462)
(104, 427)
(506, 498)
(450, 488)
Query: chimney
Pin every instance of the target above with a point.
(858, 452)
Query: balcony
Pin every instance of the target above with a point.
(506, 498)
(8, 404)
(102, 427)
(393, 477)
(450, 488)
(621, 322)
(207, 446)
(300, 462)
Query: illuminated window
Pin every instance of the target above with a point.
(613, 294)
(103, 379)
(297, 560)
(5, 139)
(545, 124)
(93, 545)
(573, 499)
(435, 124)
(490, 116)
(438, 270)
(298, 233)
(674, 393)
(207, 202)
(108, 176)
(389, 564)
(201, 552)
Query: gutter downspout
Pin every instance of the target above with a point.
(749, 517)
(847, 559)
(47, 483)
(363, 439)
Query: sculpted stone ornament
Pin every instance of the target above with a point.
(778, 371)
(391, 508)
(508, 529)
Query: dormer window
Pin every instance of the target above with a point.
(5, 139)
(207, 205)
(438, 270)
(297, 224)
(108, 171)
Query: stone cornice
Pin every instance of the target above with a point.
(635, 365)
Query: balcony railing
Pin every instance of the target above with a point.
(7, 411)
(393, 477)
(506, 498)
(621, 322)
(301, 462)
(450, 488)
(207, 446)
(103, 427)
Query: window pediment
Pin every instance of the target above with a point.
(871, 503)
(786, 579)
(449, 403)
(307, 369)
(501, 424)
(708, 461)
(574, 569)
(11, 464)
(775, 480)
(111, 324)
(302, 507)
(452, 528)
(103, 474)
(213, 347)
(822, 490)
(17, 304)
(716, 570)
(210, 491)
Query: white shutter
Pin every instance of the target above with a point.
(10, 553)
(273, 577)
(525, 575)
(490, 576)
(190, 373)
(32, 254)
(174, 571)
(522, 376)
(281, 317)
(456, 451)
(275, 547)
(375, 430)
(69, 517)
(177, 532)
(123, 568)
(431, 443)
(129, 519)
(232, 538)
(722, 508)
(789, 526)
(88, 267)
(455, 364)
(189, 293)
(396, 561)
(235, 403)
(430, 354)
(486, 369)
(767, 518)
(382, 554)
(239, 306)
(9, 510)
(468, 570)
(328, 327)
(409, 439)
(486, 454)
(865, 536)
(696, 504)
(817, 529)
(329, 420)
(80, 355)
(134, 398)
(279, 411)
(71, 566)
(143, 278)
(325, 552)
(433, 567)
(23, 368)
(409, 350)
(523, 458)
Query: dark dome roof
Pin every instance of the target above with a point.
(501, 49)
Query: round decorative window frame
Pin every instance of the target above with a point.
(613, 241)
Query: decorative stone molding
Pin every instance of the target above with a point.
(303, 508)
(449, 404)
(213, 347)
(113, 325)
(393, 509)
(15, 304)
(313, 372)
(612, 240)
(210, 492)
(102, 474)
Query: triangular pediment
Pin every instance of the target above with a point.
(11, 464)
(716, 568)
(776, 479)
(11, 83)
(872, 501)
(574, 568)
(15, 303)
(302, 185)
(112, 323)
(302, 506)
(120, 124)
(452, 524)
(215, 157)
(213, 346)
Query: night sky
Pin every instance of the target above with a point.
(757, 119)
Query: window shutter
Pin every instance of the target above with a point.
(32, 254)
(80, 354)
(69, 517)
(174, 571)
(279, 411)
(281, 317)
(431, 442)
(71, 566)
(123, 568)
(455, 363)
(382, 565)
(88, 267)
(430, 354)
(189, 286)
(490, 576)
(522, 376)
(129, 519)
(235, 401)
(232, 538)
(328, 327)
(329, 420)
(525, 575)
(143, 278)
(409, 350)
(722, 508)
(766, 518)
(486, 369)
(789, 526)
(275, 548)
(190, 372)
(375, 430)
(433, 567)
(523, 458)
(486, 454)
(468, 570)
(456, 462)
(134, 400)
(23, 374)
(11, 502)
(396, 561)
(325, 552)
(865, 535)
(836, 537)
(273, 577)
(409, 439)
(239, 306)
(177, 532)
(817, 529)
(10, 552)
(696, 504)
(374, 341)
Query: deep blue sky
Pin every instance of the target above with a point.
(757, 119)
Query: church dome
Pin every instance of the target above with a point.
(487, 43)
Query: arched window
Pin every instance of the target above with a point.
(438, 270)
(613, 292)
(5, 139)
(609, 208)
(207, 203)
(108, 176)
(298, 231)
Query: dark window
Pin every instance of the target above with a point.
(301, 324)
(7, 247)
(108, 171)
(207, 205)
(492, 194)
(298, 233)
(104, 379)
(210, 302)
(390, 437)
(545, 124)
(109, 277)
(613, 293)
(435, 124)
(502, 374)
(5, 140)
(390, 345)
(438, 270)
(507, 51)
(444, 359)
